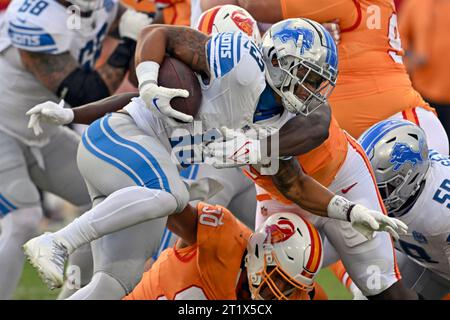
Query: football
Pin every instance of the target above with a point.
(173, 73)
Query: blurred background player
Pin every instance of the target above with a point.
(218, 258)
(41, 58)
(49, 51)
(423, 27)
(373, 83)
(414, 183)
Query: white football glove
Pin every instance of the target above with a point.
(234, 150)
(132, 22)
(50, 112)
(157, 98)
(364, 220)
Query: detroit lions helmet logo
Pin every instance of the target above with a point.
(291, 33)
(402, 153)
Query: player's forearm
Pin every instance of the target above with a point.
(183, 43)
(300, 188)
(303, 134)
(184, 224)
(88, 113)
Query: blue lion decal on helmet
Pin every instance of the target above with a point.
(402, 153)
(289, 33)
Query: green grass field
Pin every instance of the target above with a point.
(31, 287)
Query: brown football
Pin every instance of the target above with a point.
(173, 73)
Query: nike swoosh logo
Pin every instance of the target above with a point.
(22, 20)
(344, 191)
(247, 151)
(154, 103)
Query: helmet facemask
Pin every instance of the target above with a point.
(271, 283)
(301, 64)
(305, 86)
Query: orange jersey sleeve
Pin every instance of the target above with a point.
(373, 83)
(206, 270)
(322, 163)
(178, 13)
(323, 11)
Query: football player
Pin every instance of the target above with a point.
(373, 83)
(139, 186)
(414, 183)
(48, 50)
(279, 261)
(338, 163)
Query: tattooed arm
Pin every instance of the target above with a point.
(183, 43)
(54, 70)
(300, 188)
(49, 69)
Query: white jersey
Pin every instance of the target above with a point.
(43, 26)
(428, 238)
(229, 99)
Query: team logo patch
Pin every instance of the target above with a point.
(279, 232)
(289, 33)
(402, 153)
(244, 23)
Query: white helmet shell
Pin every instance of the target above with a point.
(286, 245)
(229, 18)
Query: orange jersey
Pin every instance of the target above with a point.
(423, 26)
(322, 163)
(372, 82)
(178, 13)
(207, 270)
(175, 12)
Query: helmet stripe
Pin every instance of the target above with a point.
(316, 249)
(377, 132)
(207, 20)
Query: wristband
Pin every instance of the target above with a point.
(146, 72)
(340, 208)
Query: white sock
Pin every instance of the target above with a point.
(121, 209)
(18, 227)
(80, 266)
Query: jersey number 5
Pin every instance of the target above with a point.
(443, 193)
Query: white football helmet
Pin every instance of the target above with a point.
(229, 18)
(87, 5)
(398, 153)
(293, 46)
(287, 248)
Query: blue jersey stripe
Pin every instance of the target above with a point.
(186, 172)
(3, 209)
(88, 146)
(124, 158)
(7, 203)
(25, 28)
(146, 153)
(195, 171)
